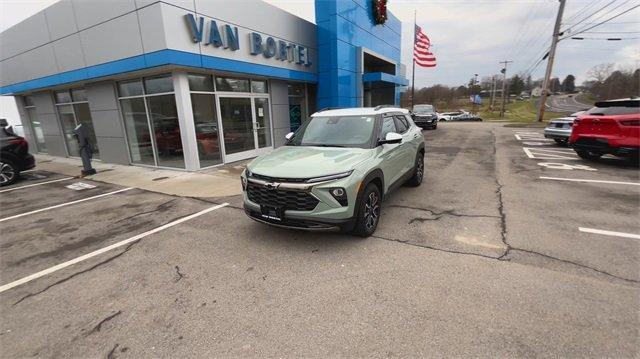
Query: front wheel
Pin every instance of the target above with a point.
(418, 171)
(588, 155)
(368, 212)
(8, 173)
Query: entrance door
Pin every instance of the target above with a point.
(246, 127)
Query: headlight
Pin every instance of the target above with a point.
(330, 177)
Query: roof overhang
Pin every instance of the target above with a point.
(384, 77)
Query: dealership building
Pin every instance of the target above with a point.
(191, 84)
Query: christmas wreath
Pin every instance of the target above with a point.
(379, 11)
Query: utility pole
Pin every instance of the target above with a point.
(552, 55)
(504, 83)
(473, 104)
(413, 71)
(493, 92)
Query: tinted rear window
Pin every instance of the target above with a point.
(615, 108)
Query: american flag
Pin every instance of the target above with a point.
(421, 54)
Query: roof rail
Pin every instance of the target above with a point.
(329, 108)
(379, 107)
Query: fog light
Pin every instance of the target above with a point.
(337, 192)
(340, 195)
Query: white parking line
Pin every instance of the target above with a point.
(36, 184)
(64, 204)
(106, 249)
(609, 233)
(588, 180)
(548, 154)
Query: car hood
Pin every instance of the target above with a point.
(308, 161)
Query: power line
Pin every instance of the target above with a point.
(577, 13)
(609, 11)
(590, 15)
(602, 22)
(605, 38)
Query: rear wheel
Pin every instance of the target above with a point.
(368, 212)
(8, 173)
(588, 155)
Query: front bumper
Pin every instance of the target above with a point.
(557, 133)
(327, 215)
(302, 222)
(425, 121)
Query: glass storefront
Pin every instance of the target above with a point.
(73, 110)
(232, 117)
(297, 104)
(36, 128)
(149, 107)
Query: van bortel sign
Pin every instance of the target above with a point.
(227, 37)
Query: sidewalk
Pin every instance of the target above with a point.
(219, 182)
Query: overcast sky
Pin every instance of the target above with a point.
(472, 36)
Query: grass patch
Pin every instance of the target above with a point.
(517, 111)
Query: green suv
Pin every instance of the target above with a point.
(333, 173)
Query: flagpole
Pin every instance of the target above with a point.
(413, 72)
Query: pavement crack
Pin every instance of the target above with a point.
(99, 325)
(159, 208)
(179, 275)
(112, 352)
(76, 274)
(433, 248)
(569, 262)
(438, 215)
(501, 212)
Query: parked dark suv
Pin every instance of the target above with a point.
(14, 156)
(425, 116)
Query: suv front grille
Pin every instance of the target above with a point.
(279, 179)
(288, 199)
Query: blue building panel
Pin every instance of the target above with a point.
(344, 26)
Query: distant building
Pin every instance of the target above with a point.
(536, 92)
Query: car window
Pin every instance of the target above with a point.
(388, 125)
(423, 109)
(401, 124)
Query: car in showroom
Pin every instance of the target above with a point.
(14, 156)
(425, 116)
(335, 170)
(610, 127)
(559, 129)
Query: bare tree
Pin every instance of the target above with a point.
(599, 73)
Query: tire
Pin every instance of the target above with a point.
(588, 155)
(418, 171)
(561, 142)
(369, 211)
(8, 173)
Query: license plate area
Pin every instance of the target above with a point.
(272, 213)
(559, 125)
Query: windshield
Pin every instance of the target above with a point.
(423, 109)
(615, 108)
(335, 131)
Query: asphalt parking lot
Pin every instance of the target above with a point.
(511, 247)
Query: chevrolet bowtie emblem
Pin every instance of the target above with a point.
(272, 186)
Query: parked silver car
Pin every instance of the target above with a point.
(559, 129)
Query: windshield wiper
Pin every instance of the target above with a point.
(321, 145)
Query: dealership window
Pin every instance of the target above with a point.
(203, 103)
(151, 121)
(34, 123)
(297, 104)
(73, 110)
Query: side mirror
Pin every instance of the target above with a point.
(391, 138)
(288, 136)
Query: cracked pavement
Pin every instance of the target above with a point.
(484, 259)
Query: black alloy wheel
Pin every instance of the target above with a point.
(8, 173)
(369, 211)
